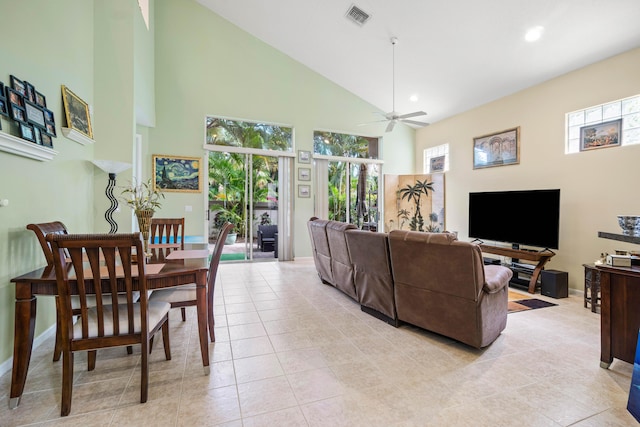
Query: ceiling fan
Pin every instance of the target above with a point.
(393, 116)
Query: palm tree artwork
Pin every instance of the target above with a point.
(414, 193)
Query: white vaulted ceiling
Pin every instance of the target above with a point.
(454, 54)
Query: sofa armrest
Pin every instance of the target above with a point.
(496, 278)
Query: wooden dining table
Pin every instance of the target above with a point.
(162, 271)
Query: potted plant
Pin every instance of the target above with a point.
(227, 215)
(144, 199)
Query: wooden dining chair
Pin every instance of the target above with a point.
(185, 295)
(56, 227)
(107, 270)
(167, 233)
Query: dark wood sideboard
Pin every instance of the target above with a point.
(620, 307)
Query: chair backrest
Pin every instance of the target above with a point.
(268, 230)
(215, 257)
(320, 248)
(169, 232)
(341, 267)
(41, 230)
(102, 264)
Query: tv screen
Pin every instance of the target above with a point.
(530, 217)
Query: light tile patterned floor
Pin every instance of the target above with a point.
(291, 351)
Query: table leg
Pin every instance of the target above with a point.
(201, 306)
(25, 320)
(606, 353)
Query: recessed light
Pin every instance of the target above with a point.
(534, 34)
(413, 98)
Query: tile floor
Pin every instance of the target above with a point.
(293, 352)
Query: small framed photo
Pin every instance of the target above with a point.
(48, 116)
(436, 164)
(304, 191)
(50, 129)
(46, 140)
(37, 135)
(26, 132)
(304, 156)
(497, 149)
(2, 95)
(602, 135)
(18, 114)
(14, 97)
(4, 111)
(304, 174)
(34, 114)
(41, 100)
(18, 85)
(30, 92)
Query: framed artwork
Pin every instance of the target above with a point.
(4, 110)
(304, 156)
(48, 116)
(34, 114)
(304, 174)
(14, 97)
(30, 92)
(497, 149)
(41, 100)
(76, 112)
(50, 128)
(18, 85)
(304, 191)
(176, 173)
(2, 94)
(46, 140)
(26, 132)
(436, 164)
(602, 135)
(37, 135)
(18, 114)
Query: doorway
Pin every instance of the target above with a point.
(244, 190)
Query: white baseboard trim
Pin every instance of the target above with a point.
(7, 365)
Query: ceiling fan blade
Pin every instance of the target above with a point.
(415, 123)
(414, 114)
(390, 126)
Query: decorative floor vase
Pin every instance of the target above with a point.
(144, 223)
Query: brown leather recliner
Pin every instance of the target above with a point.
(341, 267)
(320, 248)
(442, 285)
(373, 276)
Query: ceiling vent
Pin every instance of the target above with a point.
(357, 15)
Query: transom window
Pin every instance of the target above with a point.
(627, 109)
(344, 145)
(244, 134)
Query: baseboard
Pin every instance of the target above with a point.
(7, 365)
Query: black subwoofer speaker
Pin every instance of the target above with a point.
(554, 284)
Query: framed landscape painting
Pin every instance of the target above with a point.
(177, 173)
(76, 112)
(600, 135)
(497, 149)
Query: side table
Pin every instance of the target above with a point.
(591, 286)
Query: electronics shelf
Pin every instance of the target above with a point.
(541, 258)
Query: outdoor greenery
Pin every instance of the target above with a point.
(227, 171)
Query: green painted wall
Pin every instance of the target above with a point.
(49, 48)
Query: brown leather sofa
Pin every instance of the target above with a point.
(430, 280)
(442, 285)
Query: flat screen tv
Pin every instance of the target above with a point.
(529, 217)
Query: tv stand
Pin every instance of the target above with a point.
(516, 254)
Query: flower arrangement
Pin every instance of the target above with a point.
(142, 197)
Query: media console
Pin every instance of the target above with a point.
(517, 254)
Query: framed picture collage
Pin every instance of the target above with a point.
(22, 103)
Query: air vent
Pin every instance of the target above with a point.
(357, 15)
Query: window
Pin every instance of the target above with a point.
(628, 109)
(436, 159)
(343, 145)
(236, 133)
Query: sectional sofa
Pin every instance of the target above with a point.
(430, 280)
